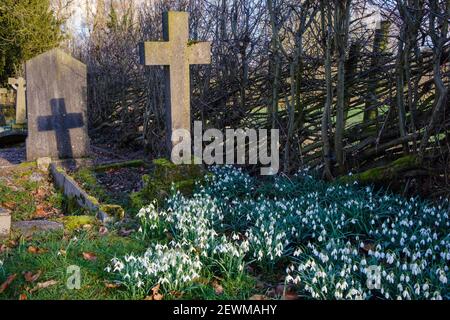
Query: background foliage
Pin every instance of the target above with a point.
(27, 28)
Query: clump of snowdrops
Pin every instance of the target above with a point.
(332, 241)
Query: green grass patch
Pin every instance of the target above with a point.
(60, 252)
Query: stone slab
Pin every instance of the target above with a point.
(73, 190)
(28, 228)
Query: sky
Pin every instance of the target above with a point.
(77, 26)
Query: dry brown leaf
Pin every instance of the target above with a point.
(218, 289)
(12, 244)
(62, 252)
(90, 256)
(158, 296)
(9, 205)
(43, 285)
(23, 296)
(36, 250)
(41, 212)
(30, 277)
(155, 294)
(32, 249)
(258, 297)
(155, 289)
(40, 193)
(7, 283)
(112, 285)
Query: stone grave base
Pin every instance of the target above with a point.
(28, 228)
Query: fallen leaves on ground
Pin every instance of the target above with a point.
(40, 194)
(8, 282)
(12, 244)
(90, 256)
(32, 277)
(258, 297)
(43, 285)
(9, 205)
(155, 294)
(218, 289)
(36, 250)
(41, 212)
(23, 296)
(110, 285)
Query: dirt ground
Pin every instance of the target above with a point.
(100, 154)
(12, 156)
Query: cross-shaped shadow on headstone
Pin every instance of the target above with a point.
(61, 122)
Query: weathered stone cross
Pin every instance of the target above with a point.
(61, 122)
(21, 107)
(177, 53)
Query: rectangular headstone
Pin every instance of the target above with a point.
(57, 107)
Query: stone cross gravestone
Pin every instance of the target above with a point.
(176, 53)
(21, 106)
(57, 102)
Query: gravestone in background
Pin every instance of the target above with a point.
(57, 102)
(3, 92)
(19, 85)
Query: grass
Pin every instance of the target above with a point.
(60, 253)
(22, 195)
